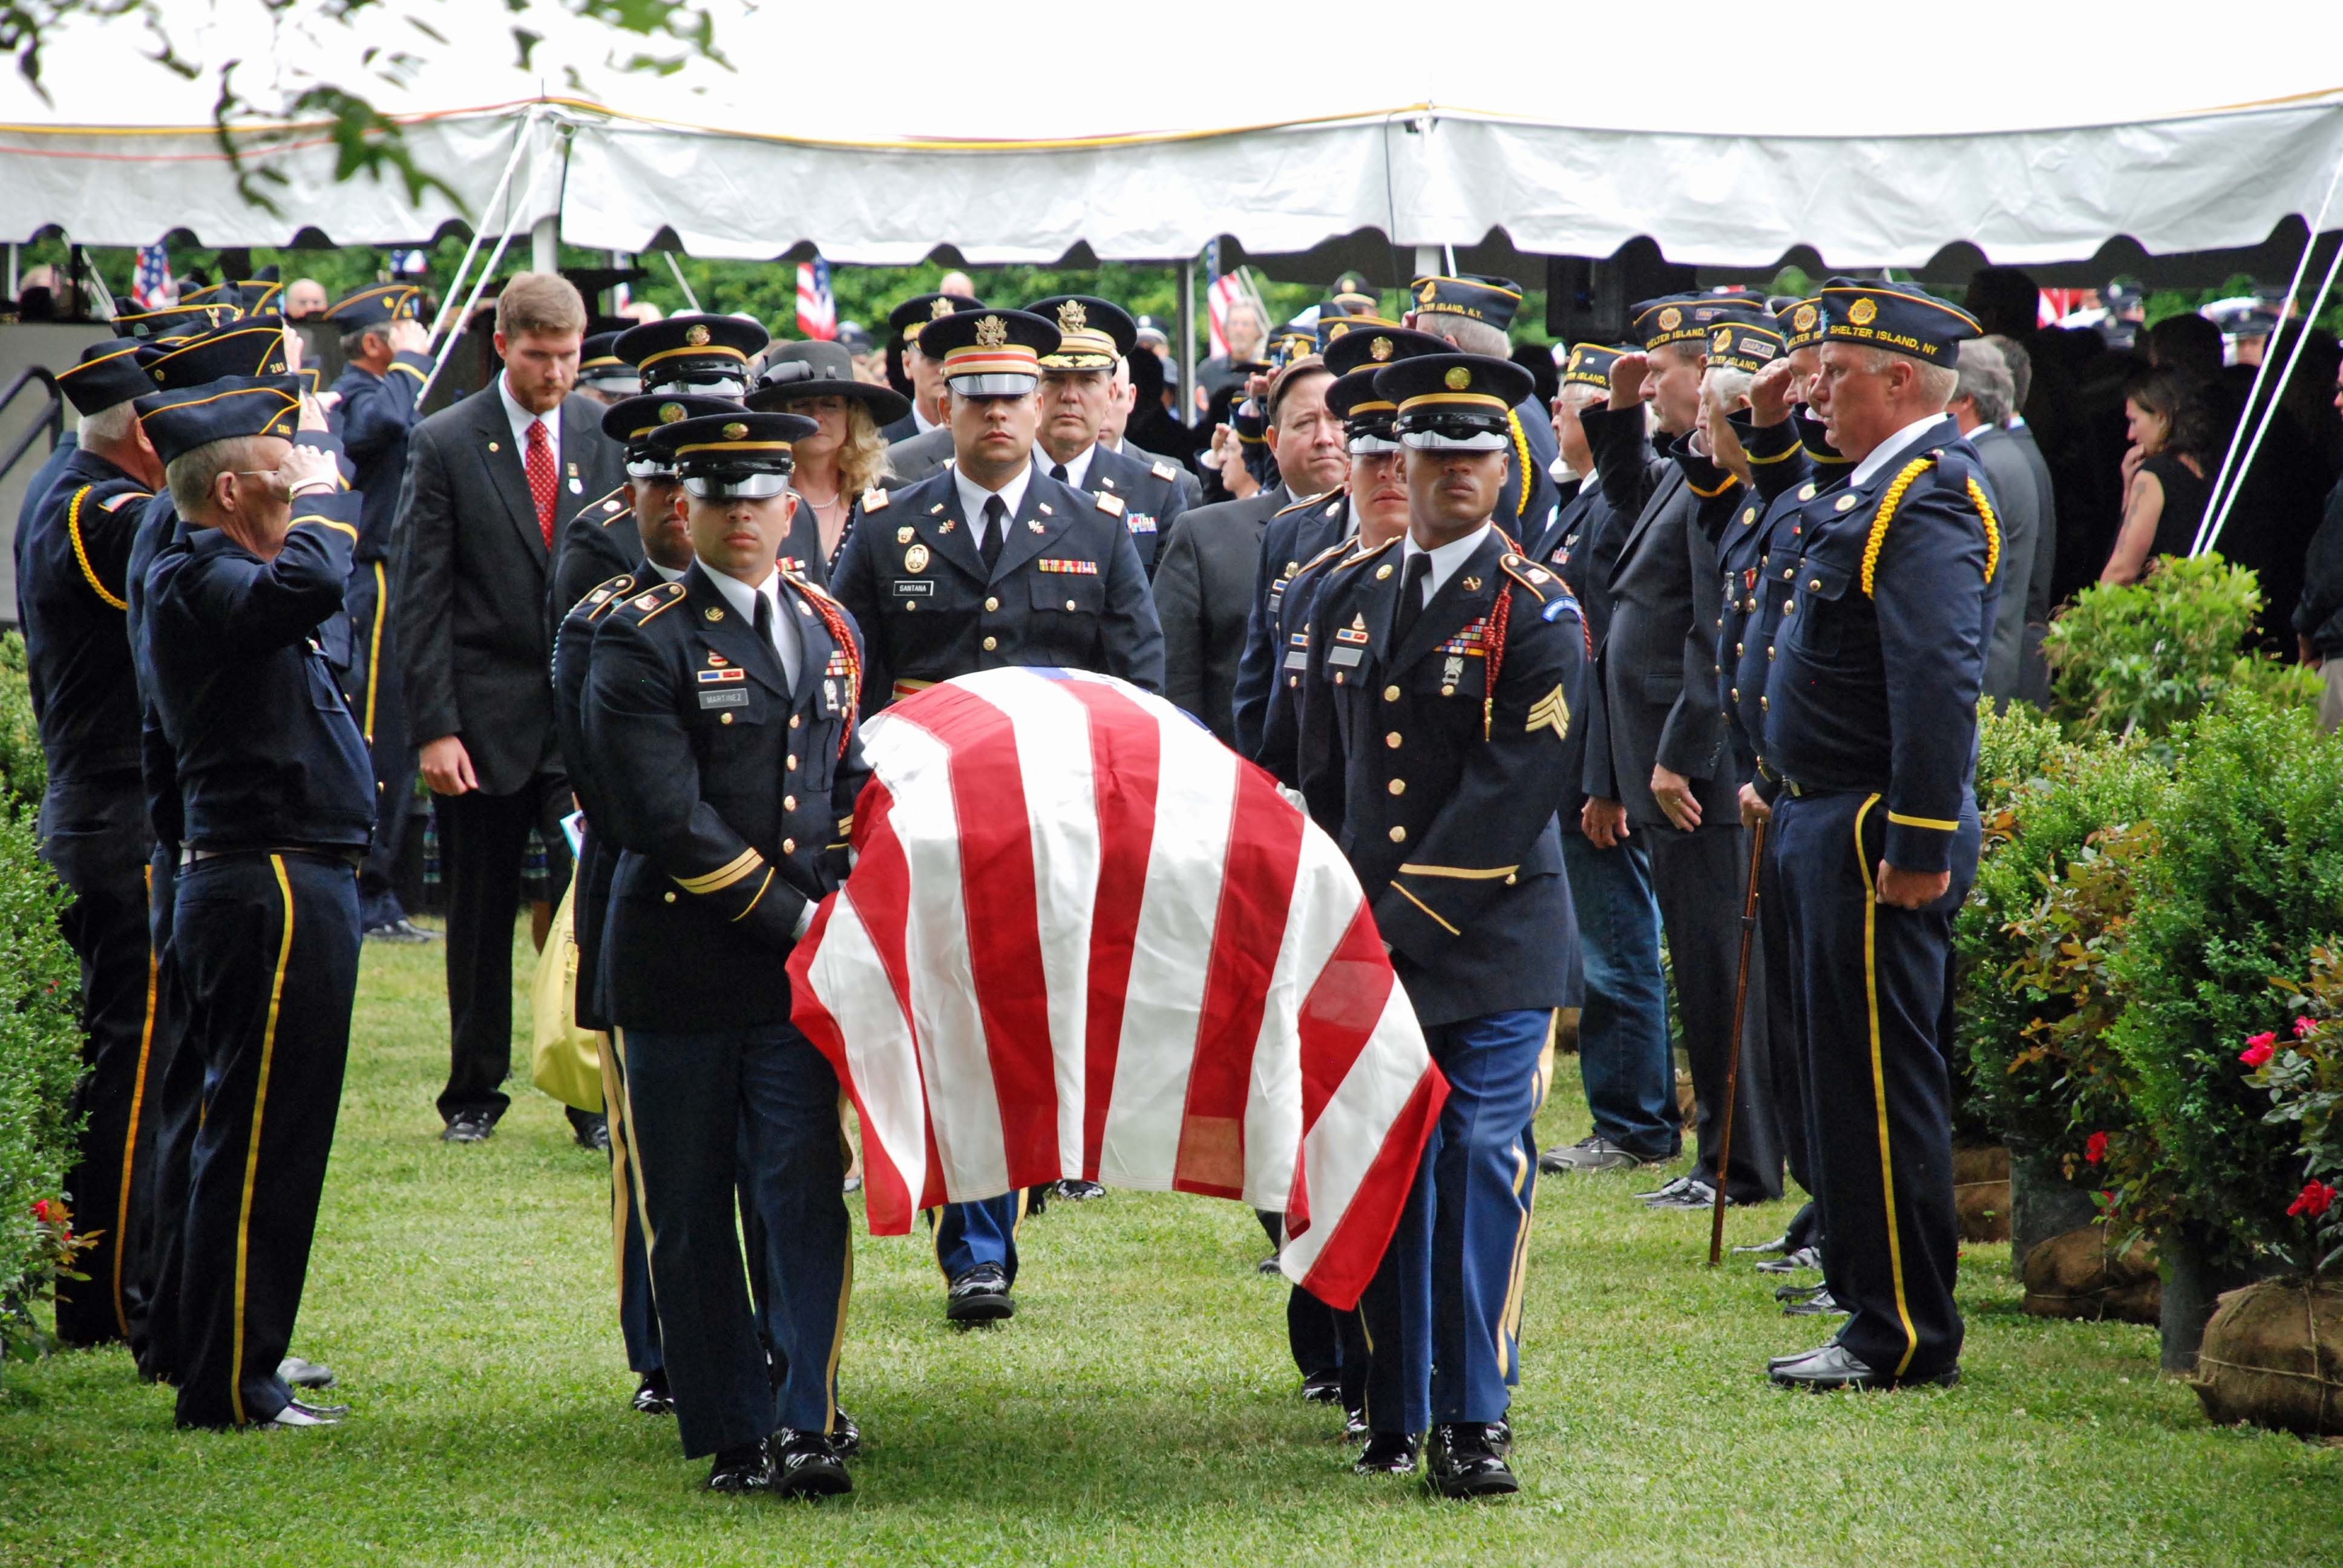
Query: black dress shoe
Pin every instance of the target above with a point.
(591, 1132)
(980, 1296)
(747, 1468)
(296, 1416)
(1683, 1192)
(1388, 1453)
(1836, 1367)
(1804, 1258)
(1074, 1189)
(1773, 1361)
(303, 1374)
(845, 1434)
(1796, 1293)
(806, 1464)
(1354, 1424)
(402, 930)
(651, 1396)
(1461, 1461)
(1322, 1388)
(1821, 1304)
(1269, 1266)
(467, 1127)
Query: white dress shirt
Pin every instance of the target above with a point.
(973, 497)
(521, 419)
(1894, 447)
(789, 643)
(919, 417)
(1079, 470)
(1445, 559)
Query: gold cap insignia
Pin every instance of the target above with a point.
(1863, 312)
(1428, 293)
(939, 307)
(1337, 330)
(736, 431)
(992, 333)
(915, 559)
(697, 336)
(1578, 357)
(1458, 378)
(670, 412)
(1380, 350)
(1722, 341)
(1803, 318)
(1071, 316)
(1671, 318)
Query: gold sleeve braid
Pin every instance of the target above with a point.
(1992, 528)
(81, 555)
(1886, 514)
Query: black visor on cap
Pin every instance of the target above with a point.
(735, 484)
(1455, 430)
(1000, 384)
(648, 465)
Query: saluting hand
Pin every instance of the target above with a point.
(1911, 889)
(1771, 394)
(309, 468)
(1627, 379)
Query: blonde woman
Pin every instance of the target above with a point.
(844, 458)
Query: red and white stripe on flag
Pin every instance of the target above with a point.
(817, 309)
(1225, 290)
(1083, 937)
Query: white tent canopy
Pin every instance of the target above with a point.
(1013, 150)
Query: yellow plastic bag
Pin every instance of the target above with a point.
(564, 1060)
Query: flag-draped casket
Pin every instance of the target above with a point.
(1083, 939)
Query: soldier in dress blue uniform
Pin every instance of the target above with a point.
(720, 715)
(1871, 730)
(384, 369)
(1475, 313)
(73, 555)
(1301, 533)
(985, 563)
(1094, 336)
(1447, 669)
(278, 800)
(603, 374)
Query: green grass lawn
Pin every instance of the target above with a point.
(1141, 1408)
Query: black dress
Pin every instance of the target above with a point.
(2185, 495)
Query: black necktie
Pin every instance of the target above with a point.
(1058, 473)
(996, 530)
(1411, 596)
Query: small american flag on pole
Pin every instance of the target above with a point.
(817, 311)
(1084, 939)
(151, 287)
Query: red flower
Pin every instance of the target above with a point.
(41, 1210)
(2095, 1149)
(2302, 1027)
(2314, 1199)
(2259, 1050)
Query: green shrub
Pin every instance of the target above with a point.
(2140, 658)
(24, 770)
(2039, 799)
(40, 1025)
(2301, 1069)
(2245, 885)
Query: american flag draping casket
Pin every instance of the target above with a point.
(1083, 939)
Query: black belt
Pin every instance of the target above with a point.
(342, 854)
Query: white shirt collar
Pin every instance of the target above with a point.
(665, 574)
(973, 497)
(521, 419)
(1894, 447)
(1078, 469)
(1445, 559)
(787, 643)
(919, 417)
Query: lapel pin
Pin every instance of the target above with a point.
(1035, 523)
(1471, 584)
(713, 613)
(903, 535)
(1382, 571)
(494, 448)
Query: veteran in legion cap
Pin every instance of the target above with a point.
(1871, 732)
(719, 713)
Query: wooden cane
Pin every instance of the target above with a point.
(1733, 1059)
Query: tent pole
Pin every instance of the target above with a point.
(1427, 261)
(2261, 373)
(488, 270)
(464, 267)
(2209, 534)
(545, 244)
(1186, 401)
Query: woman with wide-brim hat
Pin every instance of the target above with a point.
(847, 456)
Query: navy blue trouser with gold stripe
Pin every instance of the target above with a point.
(709, 1112)
(638, 1314)
(94, 837)
(266, 946)
(177, 1109)
(1871, 980)
(1443, 1313)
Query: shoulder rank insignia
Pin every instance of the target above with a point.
(1369, 554)
(611, 507)
(1550, 711)
(874, 500)
(1109, 504)
(1164, 471)
(1531, 578)
(114, 503)
(658, 600)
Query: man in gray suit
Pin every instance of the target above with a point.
(1656, 762)
(1982, 406)
(1204, 578)
(2033, 671)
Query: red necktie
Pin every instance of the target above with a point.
(540, 478)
